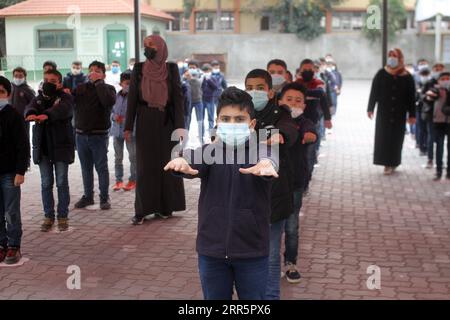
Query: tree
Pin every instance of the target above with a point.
(396, 18)
(302, 17)
(4, 4)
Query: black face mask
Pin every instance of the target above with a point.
(150, 53)
(49, 89)
(307, 75)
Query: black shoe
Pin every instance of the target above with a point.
(137, 221)
(84, 202)
(2, 254)
(47, 225)
(13, 256)
(105, 205)
(292, 274)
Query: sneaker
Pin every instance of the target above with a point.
(118, 186)
(13, 255)
(2, 254)
(137, 221)
(165, 215)
(63, 224)
(47, 225)
(105, 204)
(429, 164)
(84, 202)
(130, 186)
(292, 274)
(388, 171)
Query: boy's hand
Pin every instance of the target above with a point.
(41, 118)
(119, 119)
(328, 124)
(30, 118)
(18, 180)
(411, 121)
(180, 165)
(275, 139)
(309, 138)
(370, 115)
(67, 90)
(263, 168)
(127, 135)
(94, 76)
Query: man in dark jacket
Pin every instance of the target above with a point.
(209, 88)
(14, 161)
(282, 131)
(75, 77)
(93, 104)
(22, 93)
(218, 76)
(234, 205)
(53, 146)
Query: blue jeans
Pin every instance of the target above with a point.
(10, 221)
(291, 230)
(218, 276)
(441, 130)
(211, 108)
(118, 155)
(273, 282)
(200, 114)
(93, 151)
(48, 172)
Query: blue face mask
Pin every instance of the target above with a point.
(392, 62)
(115, 69)
(193, 72)
(260, 99)
(233, 134)
(3, 103)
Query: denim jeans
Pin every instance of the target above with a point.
(48, 172)
(118, 155)
(291, 230)
(10, 220)
(430, 139)
(200, 114)
(217, 277)
(422, 134)
(210, 107)
(441, 130)
(273, 282)
(93, 151)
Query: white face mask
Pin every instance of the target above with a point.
(76, 71)
(445, 84)
(277, 80)
(296, 112)
(3, 103)
(18, 81)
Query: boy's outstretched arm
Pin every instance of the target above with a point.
(182, 166)
(264, 168)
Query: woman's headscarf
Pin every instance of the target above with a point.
(400, 69)
(154, 79)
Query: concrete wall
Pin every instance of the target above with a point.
(356, 56)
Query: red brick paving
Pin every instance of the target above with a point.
(353, 218)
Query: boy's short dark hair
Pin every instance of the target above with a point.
(20, 70)
(277, 62)
(99, 65)
(77, 63)
(422, 60)
(206, 67)
(50, 63)
(444, 74)
(215, 63)
(115, 61)
(125, 76)
(306, 61)
(292, 86)
(260, 73)
(291, 77)
(233, 96)
(438, 65)
(194, 63)
(55, 73)
(4, 82)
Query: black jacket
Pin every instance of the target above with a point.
(54, 137)
(270, 118)
(21, 96)
(93, 105)
(14, 143)
(233, 208)
(72, 82)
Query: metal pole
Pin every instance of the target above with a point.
(385, 32)
(137, 30)
(438, 40)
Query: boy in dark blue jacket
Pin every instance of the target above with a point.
(293, 97)
(234, 205)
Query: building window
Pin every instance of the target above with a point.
(347, 21)
(206, 21)
(179, 24)
(268, 22)
(55, 39)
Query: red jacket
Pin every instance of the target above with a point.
(313, 84)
